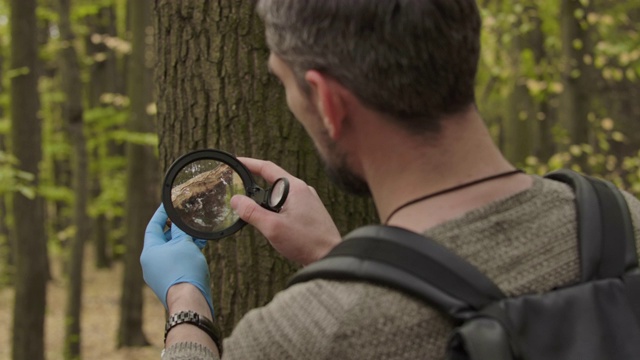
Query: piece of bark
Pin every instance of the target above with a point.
(203, 201)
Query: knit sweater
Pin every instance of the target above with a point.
(525, 243)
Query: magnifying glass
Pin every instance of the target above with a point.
(198, 188)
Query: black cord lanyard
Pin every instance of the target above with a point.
(452, 189)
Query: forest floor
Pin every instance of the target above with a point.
(100, 317)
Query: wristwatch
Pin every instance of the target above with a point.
(192, 317)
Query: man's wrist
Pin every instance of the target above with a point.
(186, 296)
(193, 318)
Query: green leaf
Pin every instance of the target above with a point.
(13, 73)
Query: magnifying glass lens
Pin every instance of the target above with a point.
(279, 193)
(198, 189)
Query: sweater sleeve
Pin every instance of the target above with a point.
(188, 351)
(298, 323)
(326, 320)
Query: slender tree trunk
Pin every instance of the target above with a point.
(72, 112)
(31, 247)
(118, 149)
(7, 248)
(519, 110)
(543, 145)
(528, 125)
(143, 177)
(574, 105)
(6, 245)
(59, 220)
(103, 79)
(214, 91)
(621, 96)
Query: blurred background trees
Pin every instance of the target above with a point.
(86, 130)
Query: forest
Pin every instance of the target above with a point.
(99, 97)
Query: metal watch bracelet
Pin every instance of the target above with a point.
(192, 317)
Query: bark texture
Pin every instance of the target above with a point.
(31, 249)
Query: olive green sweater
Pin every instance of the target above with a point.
(525, 244)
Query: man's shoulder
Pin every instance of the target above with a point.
(371, 316)
(340, 319)
(349, 299)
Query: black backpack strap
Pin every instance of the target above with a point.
(605, 230)
(409, 262)
(619, 247)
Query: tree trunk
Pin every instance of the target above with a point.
(31, 246)
(72, 113)
(621, 96)
(543, 145)
(143, 177)
(214, 91)
(518, 124)
(6, 245)
(7, 248)
(529, 125)
(574, 102)
(103, 76)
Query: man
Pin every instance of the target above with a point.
(385, 90)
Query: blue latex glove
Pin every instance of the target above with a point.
(173, 257)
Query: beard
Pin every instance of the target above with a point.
(338, 171)
(346, 180)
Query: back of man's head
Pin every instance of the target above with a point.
(414, 60)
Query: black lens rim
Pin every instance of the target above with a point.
(179, 164)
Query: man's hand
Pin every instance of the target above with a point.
(303, 230)
(172, 257)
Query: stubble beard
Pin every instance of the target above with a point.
(338, 171)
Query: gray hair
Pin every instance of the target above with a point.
(414, 60)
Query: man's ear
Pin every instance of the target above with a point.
(327, 97)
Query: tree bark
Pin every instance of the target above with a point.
(214, 91)
(31, 248)
(143, 177)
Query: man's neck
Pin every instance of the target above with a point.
(402, 167)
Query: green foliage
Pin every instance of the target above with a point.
(108, 168)
(624, 171)
(13, 179)
(522, 45)
(150, 139)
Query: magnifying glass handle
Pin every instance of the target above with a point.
(263, 197)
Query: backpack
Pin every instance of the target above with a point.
(596, 318)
